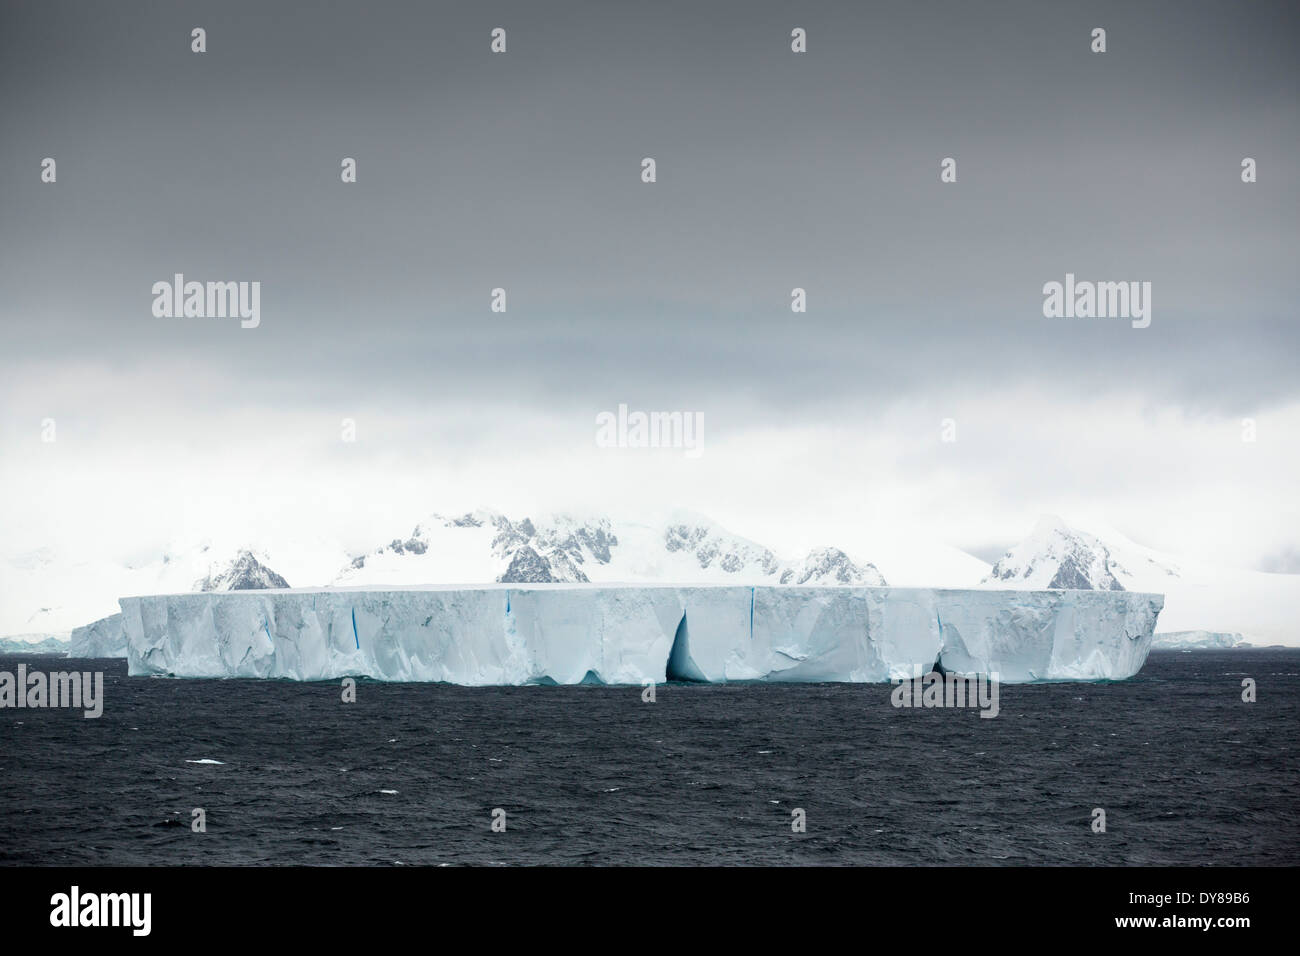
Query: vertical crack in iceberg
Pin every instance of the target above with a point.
(751, 615)
(954, 656)
(680, 666)
(354, 628)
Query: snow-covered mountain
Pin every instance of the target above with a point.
(42, 594)
(1057, 556)
(487, 546)
(243, 573)
(1198, 596)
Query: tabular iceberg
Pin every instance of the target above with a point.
(1196, 640)
(103, 638)
(569, 634)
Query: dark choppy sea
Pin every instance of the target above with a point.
(1186, 772)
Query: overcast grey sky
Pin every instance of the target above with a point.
(775, 170)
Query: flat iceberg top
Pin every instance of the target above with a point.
(576, 633)
(637, 586)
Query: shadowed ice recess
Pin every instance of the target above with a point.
(570, 634)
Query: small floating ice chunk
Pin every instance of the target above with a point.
(388, 791)
(208, 760)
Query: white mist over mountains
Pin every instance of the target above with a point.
(137, 465)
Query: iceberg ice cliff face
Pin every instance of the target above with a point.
(1047, 635)
(568, 634)
(104, 638)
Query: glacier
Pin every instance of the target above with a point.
(631, 634)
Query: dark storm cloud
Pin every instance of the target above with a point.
(775, 170)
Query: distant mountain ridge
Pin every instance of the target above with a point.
(1057, 556)
(488, 546)
(243, 573)
(43, 594)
